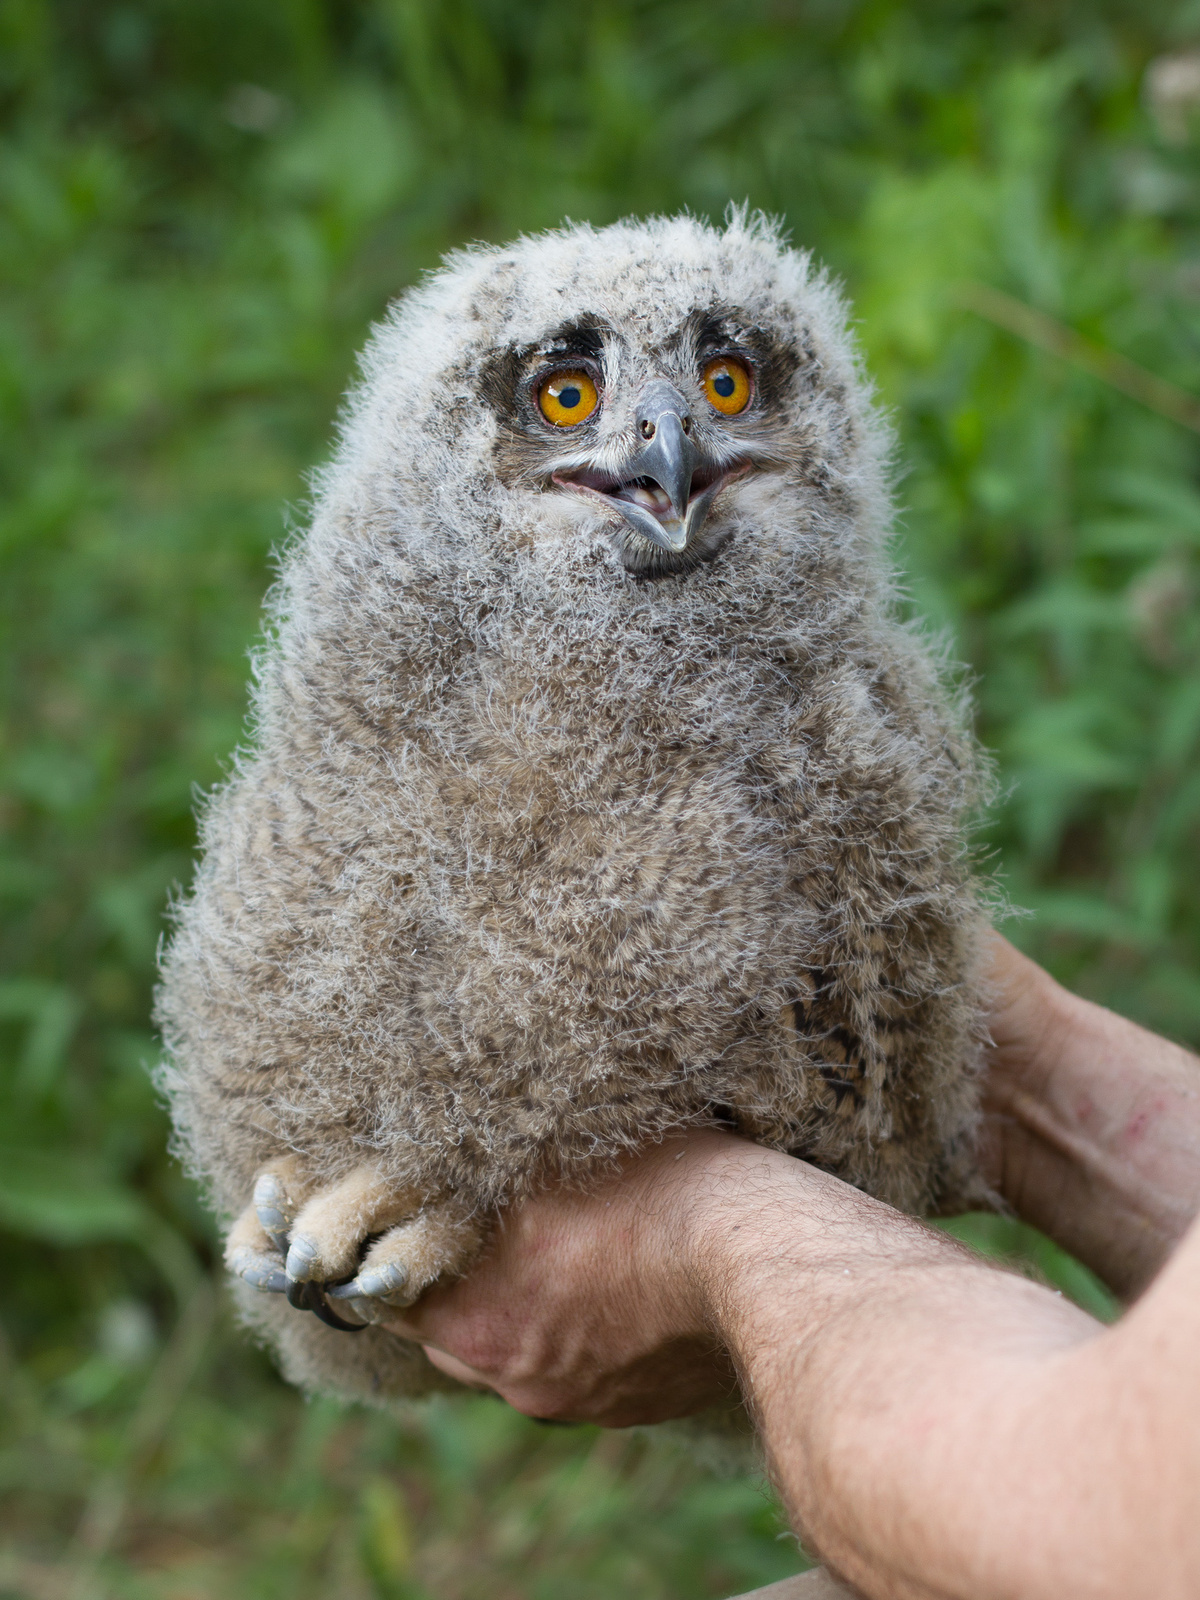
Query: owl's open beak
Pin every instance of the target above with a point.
(666, 488)
(668, 460)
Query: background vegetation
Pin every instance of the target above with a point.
(202, 207)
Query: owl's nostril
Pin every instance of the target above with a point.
(648, 429)
(687, 424)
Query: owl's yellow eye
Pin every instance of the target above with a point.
(727, 385)
(568, 397)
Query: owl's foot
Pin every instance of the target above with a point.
(349, 1252)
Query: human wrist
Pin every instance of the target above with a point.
(771, 1241)
(684, 1242)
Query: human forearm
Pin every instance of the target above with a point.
(938, 1428)
(1093, 1124)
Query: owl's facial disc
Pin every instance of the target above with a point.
(665, 488)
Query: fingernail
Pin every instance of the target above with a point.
(346, 1294)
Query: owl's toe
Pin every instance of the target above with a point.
(259, 1270)
(440, 1242)
(329, 1233)
(303, 1258)
(374, 1290)
(250, 1254)
(383, 1280)
(276, 1202)
(351, 1253)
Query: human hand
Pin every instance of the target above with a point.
(1027, 1024)
(592, 1306)
(1091, 1124)
(934, 1426)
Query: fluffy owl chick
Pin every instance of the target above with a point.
(596, 789)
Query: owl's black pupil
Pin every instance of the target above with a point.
(569, 397)
(724, 385)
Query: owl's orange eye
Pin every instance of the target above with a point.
(568, 397)
(727, 385)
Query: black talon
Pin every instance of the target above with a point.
(321, 1308)
(298, 1293)
(306, 1295)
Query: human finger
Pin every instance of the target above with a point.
(458, 1370)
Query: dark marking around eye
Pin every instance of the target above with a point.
(505, 386)
(774, 355)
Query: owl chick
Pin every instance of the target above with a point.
(597, 789)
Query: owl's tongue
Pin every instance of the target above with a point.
(645, 492)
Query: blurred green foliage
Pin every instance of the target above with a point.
(201, 209)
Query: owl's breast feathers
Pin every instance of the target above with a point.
(651, 866)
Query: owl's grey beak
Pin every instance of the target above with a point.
(668, 458)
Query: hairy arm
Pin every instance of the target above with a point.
(937, 1428)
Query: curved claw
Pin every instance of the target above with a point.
(410, 1239)
(311, 1297)
(321, 1308)
(299, 1293)
(259, 1270)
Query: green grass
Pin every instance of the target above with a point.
(202, 207)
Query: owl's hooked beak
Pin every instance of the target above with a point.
(666, 488)
(667, 459)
